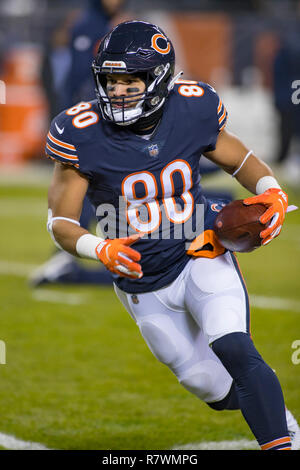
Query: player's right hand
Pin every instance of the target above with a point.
(276, 202)
(119, 258)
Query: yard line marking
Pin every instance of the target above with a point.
(242, 444)
(24, 270)
(40, 295)
(274, 303)
(44, 295)
(16, 269)
(12, 443)
(12, 207)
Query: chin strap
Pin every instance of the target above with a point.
(146, 122)
(172, 82)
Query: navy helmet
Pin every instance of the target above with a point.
(141, 49)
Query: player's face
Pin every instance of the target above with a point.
(123, 88)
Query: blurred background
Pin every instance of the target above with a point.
(248, 50)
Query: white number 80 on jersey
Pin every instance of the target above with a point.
(149, 201)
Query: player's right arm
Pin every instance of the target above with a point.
(65, 199)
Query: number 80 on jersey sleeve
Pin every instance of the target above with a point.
(85, 118)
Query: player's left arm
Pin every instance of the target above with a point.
(256, 176)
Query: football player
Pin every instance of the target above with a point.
(135, 152)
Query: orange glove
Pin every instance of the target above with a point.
(276, 202)
(119, 258)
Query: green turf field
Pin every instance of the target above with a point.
(78, 374)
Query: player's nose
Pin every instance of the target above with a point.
(120, 89)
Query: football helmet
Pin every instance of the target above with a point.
(143, 50)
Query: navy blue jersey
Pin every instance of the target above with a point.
(152, 186)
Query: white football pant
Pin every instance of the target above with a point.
(207, 301)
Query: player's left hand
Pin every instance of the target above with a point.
(276, 202)
(119, 258)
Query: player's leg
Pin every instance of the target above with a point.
(176, 340)
(217, 298)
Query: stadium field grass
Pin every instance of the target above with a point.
(79, 376)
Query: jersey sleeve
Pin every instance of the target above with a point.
(58, 145)
(222, 115)
(218, 116)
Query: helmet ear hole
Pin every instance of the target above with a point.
(158, 70)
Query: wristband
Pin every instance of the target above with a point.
(86, 246)
(265, 183)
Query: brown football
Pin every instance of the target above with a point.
(238, 227)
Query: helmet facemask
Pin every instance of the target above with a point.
(157, 86)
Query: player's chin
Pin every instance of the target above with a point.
(121, 105)
(125, 104)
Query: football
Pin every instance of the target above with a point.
(237, 226)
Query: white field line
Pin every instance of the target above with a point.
(40, 295)
(12, 443)
(274, 303)
(242, 444)
(24, 269)
(44, 295)
(16, 268)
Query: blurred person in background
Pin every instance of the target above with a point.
(85, 36)
(56, 64)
